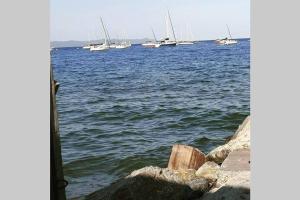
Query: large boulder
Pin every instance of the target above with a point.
(183, 177)
(233, 180)
(231, 185)
(142, 187)
(154, 183)
(240, 140)
(209, 171)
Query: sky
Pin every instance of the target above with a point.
(133, 19)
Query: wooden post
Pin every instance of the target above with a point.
(185, 157)
(57, 182)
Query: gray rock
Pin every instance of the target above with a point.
(184, 177)
(237, 160)
(209, 171)
(231, 185)
(154, 183)
(233, 178)
(142, 188)
(240, 140)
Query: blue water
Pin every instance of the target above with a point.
(123, 109)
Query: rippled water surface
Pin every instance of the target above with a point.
(123, 109)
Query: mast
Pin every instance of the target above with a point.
(153, 34)
(104, 31)
(228, 31)
(167, 28)
(109, 40)
(172, 26)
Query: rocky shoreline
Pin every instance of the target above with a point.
(224, 175)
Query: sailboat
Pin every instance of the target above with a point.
(106, 44)
(166, 41)
(87, 46)
(227, 41)
(188, 41)
(124, 44)
(150, 44)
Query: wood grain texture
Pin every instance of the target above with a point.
(185, 157)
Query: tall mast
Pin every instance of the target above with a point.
(104, 30)
(228, 31)
(109, 41)
(172, 26)
(153, 34)
(167, 28)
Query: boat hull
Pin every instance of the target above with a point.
(169, 44)
(99, 48)
(185, 43)
(226, 42)
(151, 45)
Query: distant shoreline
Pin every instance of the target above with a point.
(74, 43)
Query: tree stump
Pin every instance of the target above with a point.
(185, 157)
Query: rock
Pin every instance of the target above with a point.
(237, 160)
(231, 185)
(199, 184)
(185, 157)
(184, 177)
(209, 171)
(142, 188)
(240, 140)
(154, 183)
(233, 178)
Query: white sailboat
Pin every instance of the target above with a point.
(166, 41)
(106, 44)
(150, 44)
(124, 44)
(227, 41)
(87, 46)
(188, 39)
(90, 44)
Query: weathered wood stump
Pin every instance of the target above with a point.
(185, 157)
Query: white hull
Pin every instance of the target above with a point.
(151, 45)
(112, 46)
(99, 48)
(227, 42)
(123, 46)
(86, 47)
(168, 43)
(185, 43)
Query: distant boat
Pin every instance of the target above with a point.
(188, 41)
(150, 44)
(166, 41)
(88, 46)
(227, 41)
(184, 42)
(105, 45)
(123, 45)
